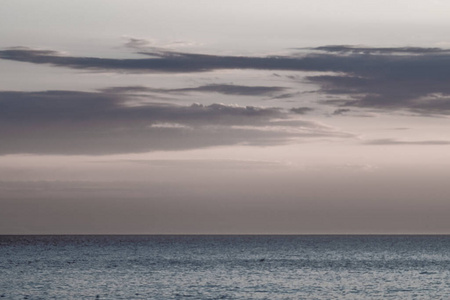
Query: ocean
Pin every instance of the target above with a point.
(225, 267)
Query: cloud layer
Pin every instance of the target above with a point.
(69, 122)
(408, 78)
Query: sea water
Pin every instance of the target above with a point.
(225, 267)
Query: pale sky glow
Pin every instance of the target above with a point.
(156, 117)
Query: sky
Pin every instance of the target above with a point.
(224, 117)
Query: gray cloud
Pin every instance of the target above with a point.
(400, 142)
(287, 95)
(136, 43)
(340, 111)
(179, 62)
(226, 89)
(70, 106)
(68, 122)
(370, 50)
(301, 110)
(407, 78)
(160, 61)
(131, 89)
(230, 89)
(207, 164)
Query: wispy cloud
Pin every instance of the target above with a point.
(341, 111)
(142, 44)
(218, 164)
(301, 110)
(226, 89)
(165, 61)
(379, 50)
(159, 61)
(405, 142)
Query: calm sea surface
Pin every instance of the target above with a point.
(225, 267)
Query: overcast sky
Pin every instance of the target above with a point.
(228, 117)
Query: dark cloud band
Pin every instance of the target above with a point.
(408, 78)
(68, 122)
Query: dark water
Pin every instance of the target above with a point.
(225, 267)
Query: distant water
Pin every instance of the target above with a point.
(225, 267)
